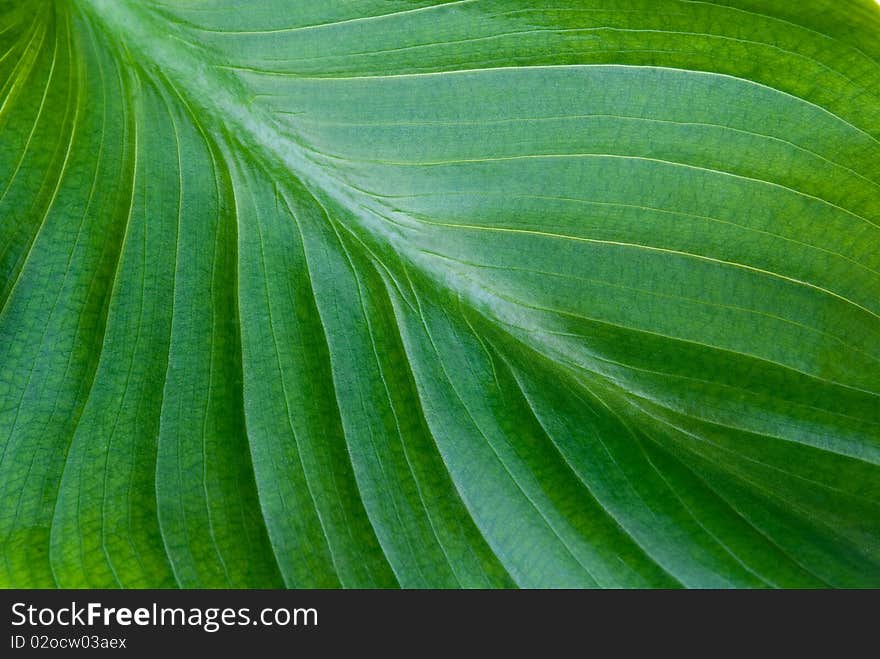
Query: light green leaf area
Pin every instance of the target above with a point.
(483, 293)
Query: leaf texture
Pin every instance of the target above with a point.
(476, 293)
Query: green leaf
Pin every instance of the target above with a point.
(465, 294)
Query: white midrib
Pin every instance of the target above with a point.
(223, 105)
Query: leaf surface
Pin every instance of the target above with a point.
(464, 294)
